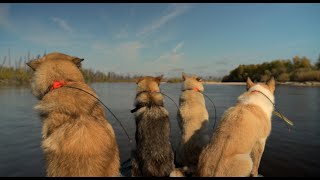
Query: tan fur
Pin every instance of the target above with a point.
(180, 172)
(192, 119)
(238, 142)
(77, 140)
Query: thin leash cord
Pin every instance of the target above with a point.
(171, 100)
(130, 140)
(215, 110)
(275, 108)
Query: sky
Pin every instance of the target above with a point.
(207, 39)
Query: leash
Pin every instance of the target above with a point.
(276, 111)
(215, 109)
(138, 107)
(130, 140)
(214, 106)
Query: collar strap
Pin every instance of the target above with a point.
(151, 91)
(58, 84)
(141, 106)
(254, 91)
(135, 109)
(194, 89)
(263, 95)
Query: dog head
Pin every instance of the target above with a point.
(149, 83)
(55, 56)
(192, 82)
(267, 89)
(54, 66)
(269, 85)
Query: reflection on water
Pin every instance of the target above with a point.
(287, 153)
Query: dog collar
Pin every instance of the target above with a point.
(255, 91)
(194, 89)
(57, 84)
(141, 106)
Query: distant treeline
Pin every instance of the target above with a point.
(20, 73)
(298, 69)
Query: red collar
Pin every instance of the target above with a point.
(196, 89)
(58, 84)
(255, 91)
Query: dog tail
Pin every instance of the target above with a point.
(210, 157)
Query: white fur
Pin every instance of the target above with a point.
(259, 99)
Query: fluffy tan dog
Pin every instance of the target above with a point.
(192, 119)
(77, 140)
(238, 142)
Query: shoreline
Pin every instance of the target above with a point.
(290, 83)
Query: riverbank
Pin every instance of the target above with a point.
(306, 83)
(301, 84)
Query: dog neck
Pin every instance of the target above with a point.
(146, 91)
(194, 89)
(253, 96)
(140, 105)
(56, 85)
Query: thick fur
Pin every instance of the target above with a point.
(153, 155)
(238, 142)
(193, 120)
(77, 140)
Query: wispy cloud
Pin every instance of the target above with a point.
(179, 46)
(119, 57)
(173, 55)
(175, 11)
(4, 14)
(62, 24)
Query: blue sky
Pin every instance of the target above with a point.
(152, 39)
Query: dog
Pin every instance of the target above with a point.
(153, 155)
(238, 143)
(77, 139)
(193, 120)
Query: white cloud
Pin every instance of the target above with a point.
(129, 51)
(173, 55)
(119, 57)
(176, 10)
(179, 46)
(62, 24)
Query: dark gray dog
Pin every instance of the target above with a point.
(153, 155)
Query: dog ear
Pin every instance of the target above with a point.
(33, 64)
(271, 83)
(77, 61)
(158, 78)
(249, 83)
(199, 79)
(138, 80)
(184, 76)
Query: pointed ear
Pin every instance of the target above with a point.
(138, 80)
(33, 64)
(199, 79)
(158, 79)
(77, 61)
(249, 83)
(184, 76)
(271, 83)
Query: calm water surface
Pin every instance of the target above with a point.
(287, 153)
